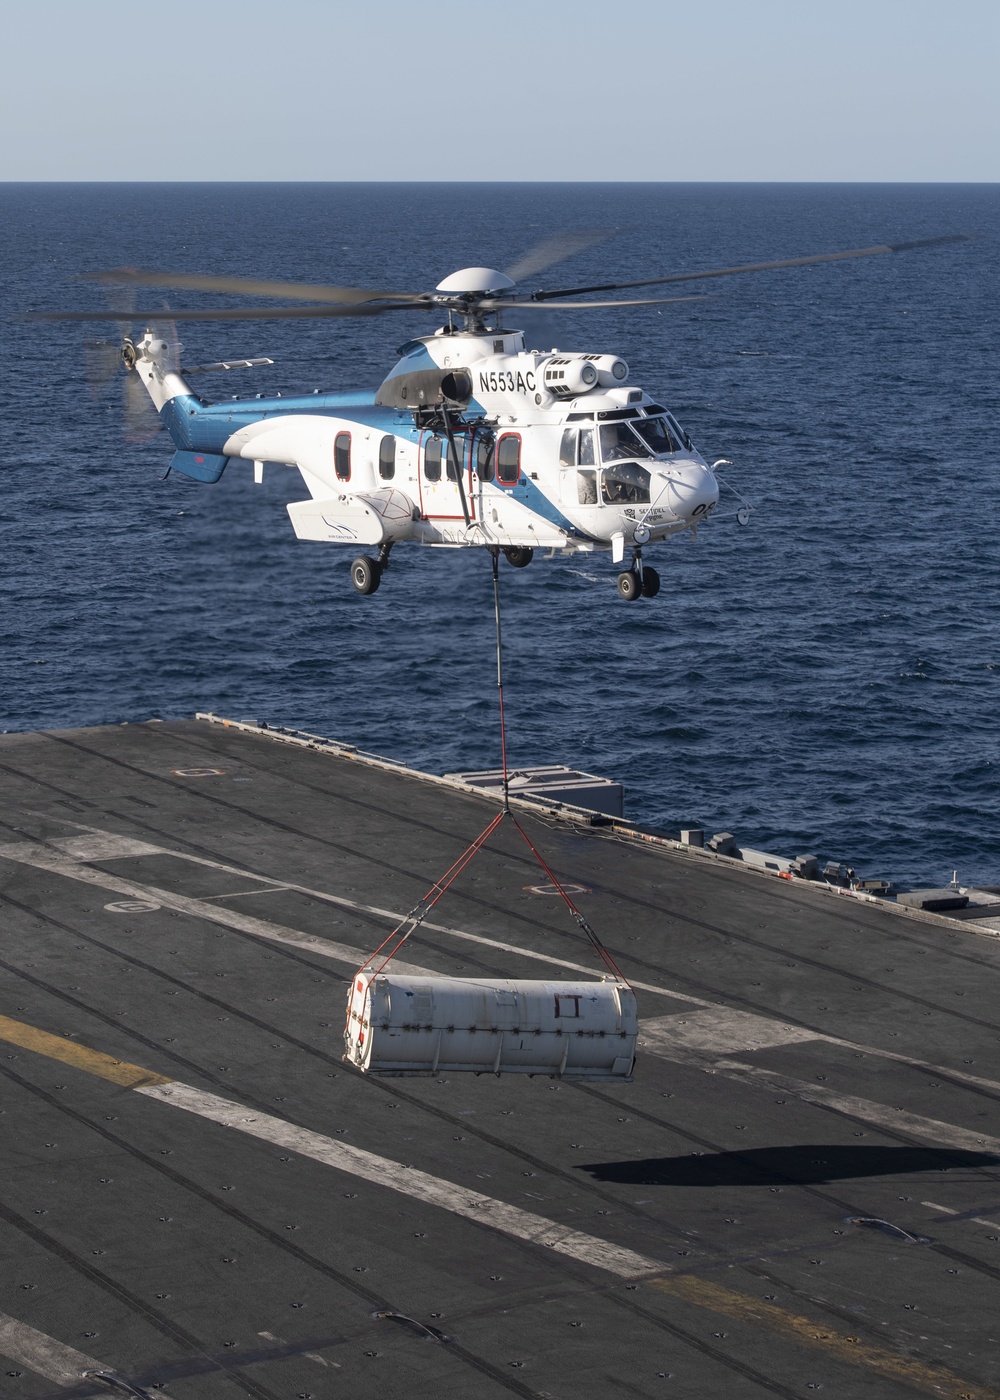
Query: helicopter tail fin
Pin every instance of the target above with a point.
(154, 361)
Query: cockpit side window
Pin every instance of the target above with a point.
(432, 459)
(619, 442)
(655, 433)
(586, 458)
(625, 483)
(586, 488)
(567, 448)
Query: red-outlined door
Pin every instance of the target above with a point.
(440, 498)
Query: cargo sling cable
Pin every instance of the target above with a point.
(589, 1003)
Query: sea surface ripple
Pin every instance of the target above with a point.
(824, 680)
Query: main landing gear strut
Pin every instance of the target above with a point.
(638, 581)
(366, 573)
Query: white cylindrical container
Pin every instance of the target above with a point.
(399, 1025)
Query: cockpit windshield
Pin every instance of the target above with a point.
(625, 483)
(656, 433)
(619, 442)
(675, 429)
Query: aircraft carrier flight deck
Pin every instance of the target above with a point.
(799, 1191)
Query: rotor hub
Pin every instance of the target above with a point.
(475, 281)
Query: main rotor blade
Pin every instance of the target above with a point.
(141, 421)
(239, 313)
(584, 305)
(757, 267)
(246, 286)
(556, 249)
(102, 365)
(121, 300)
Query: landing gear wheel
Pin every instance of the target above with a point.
(518, 556)
(650, 582)
(629, 586)
(366, 574)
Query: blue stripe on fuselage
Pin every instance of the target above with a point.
(528, 493)
(206, 427)
(195, 426)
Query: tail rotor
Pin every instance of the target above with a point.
(110, 366)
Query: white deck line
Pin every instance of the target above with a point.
(895, 1119)
(581, 816)
(658, 1032)
(43, 1354)
(432, 1190)
(45, 857)
(973, 1219)
(32, 853)
(695, 1039)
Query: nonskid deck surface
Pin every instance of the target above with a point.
(196, 1191)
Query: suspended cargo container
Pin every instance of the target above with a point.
(399, 1025)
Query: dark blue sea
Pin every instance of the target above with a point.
(825, 680)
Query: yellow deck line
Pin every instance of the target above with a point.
(839, 1345)
(699, 1292)
(56, 1047)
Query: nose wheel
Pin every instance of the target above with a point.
(629, 585)
(638, 582)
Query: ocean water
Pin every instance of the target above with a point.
(825, 680)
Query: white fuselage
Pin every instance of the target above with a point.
(549, 450)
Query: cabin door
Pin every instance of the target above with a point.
(440, 498)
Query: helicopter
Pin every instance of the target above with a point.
(471, 440)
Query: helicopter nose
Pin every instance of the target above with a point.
(693, 492)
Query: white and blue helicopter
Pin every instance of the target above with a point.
(472, 440)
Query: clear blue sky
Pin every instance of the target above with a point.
(502, 90)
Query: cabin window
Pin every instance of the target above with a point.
(626, 483)
(342, 456)
(450, 465)
(586, 488)
(567, 1005)
(567, 448)
(655, 434)
(509, 459)
(484, 458)
(387, 458)
(619, 442)
(432, 459)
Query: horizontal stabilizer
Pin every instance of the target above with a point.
(228, 364)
